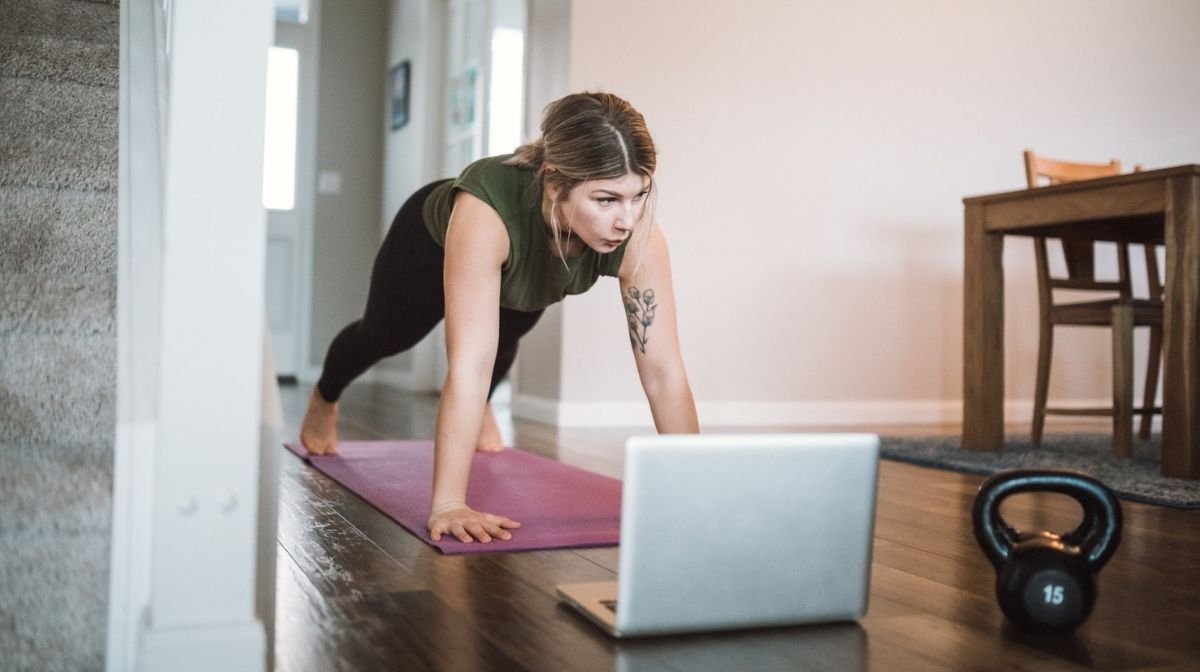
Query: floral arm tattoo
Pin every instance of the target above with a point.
(639, 311)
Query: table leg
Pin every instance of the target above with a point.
(983, 336)
(1181, 331)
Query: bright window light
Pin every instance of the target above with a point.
(507, 91)
(279, 160)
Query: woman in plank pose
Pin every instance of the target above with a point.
(489, 251)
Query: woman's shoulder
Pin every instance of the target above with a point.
(508, 189)
(493, 168)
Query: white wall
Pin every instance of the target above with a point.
(812, 162)
(411, 153)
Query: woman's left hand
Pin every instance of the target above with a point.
(467, 524)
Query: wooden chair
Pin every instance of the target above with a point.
(1120, 313)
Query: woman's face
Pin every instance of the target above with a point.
(602, 213)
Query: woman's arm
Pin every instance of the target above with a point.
(649, 300)
(476, 247)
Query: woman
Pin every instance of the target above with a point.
(519, 233)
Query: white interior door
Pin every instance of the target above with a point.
(287, 193)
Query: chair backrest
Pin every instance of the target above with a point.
(1058, 172)
(1080, 255)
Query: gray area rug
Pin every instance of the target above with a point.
(1136, 479)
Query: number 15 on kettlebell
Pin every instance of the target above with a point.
(1046, 582)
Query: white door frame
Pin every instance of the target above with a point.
(296, 226)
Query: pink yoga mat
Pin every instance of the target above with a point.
(558, 506)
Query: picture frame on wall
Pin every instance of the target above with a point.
(399, 81)
(462, 99)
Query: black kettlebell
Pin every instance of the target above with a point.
(1046, 582)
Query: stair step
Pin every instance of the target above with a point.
(59, 489)
(59, 233)
(58, 585)
(68, 19)
(65, 111)
(47, 305)
(57, 389)
(58, 134)
(49, 57)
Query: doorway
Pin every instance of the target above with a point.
(288, 190)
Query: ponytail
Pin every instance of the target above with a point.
(530, 156)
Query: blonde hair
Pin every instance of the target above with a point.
(589, 136)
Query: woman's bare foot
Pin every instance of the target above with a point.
(319, 431)
(489, 433)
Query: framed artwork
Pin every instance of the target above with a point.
(399, 78)
(462, 99)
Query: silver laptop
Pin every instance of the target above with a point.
(738, 531)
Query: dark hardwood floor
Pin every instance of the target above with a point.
(357, 592)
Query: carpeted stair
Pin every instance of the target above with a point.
(58, 277)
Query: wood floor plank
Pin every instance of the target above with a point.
(541, 634)
(544, 570)
(415, 631)
(943, 642)
(831, 648)
(604, 557)
(375, 525)
(307, 631)
(334, 554)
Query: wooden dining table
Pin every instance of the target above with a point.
(1159, 207)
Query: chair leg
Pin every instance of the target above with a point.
(1122, 341)
(1045, 346)
(1153, 363)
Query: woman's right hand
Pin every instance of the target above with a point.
(467, 524)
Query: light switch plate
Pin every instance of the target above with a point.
(329, 182)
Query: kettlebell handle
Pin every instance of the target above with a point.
(1097, 535)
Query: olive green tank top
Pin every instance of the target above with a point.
(533, 276)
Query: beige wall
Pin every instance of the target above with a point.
(813, 158)
(349, 141)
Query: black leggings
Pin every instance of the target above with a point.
(406, 301)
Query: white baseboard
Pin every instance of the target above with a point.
(235, 647)
(536, 409)
(750, 414)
